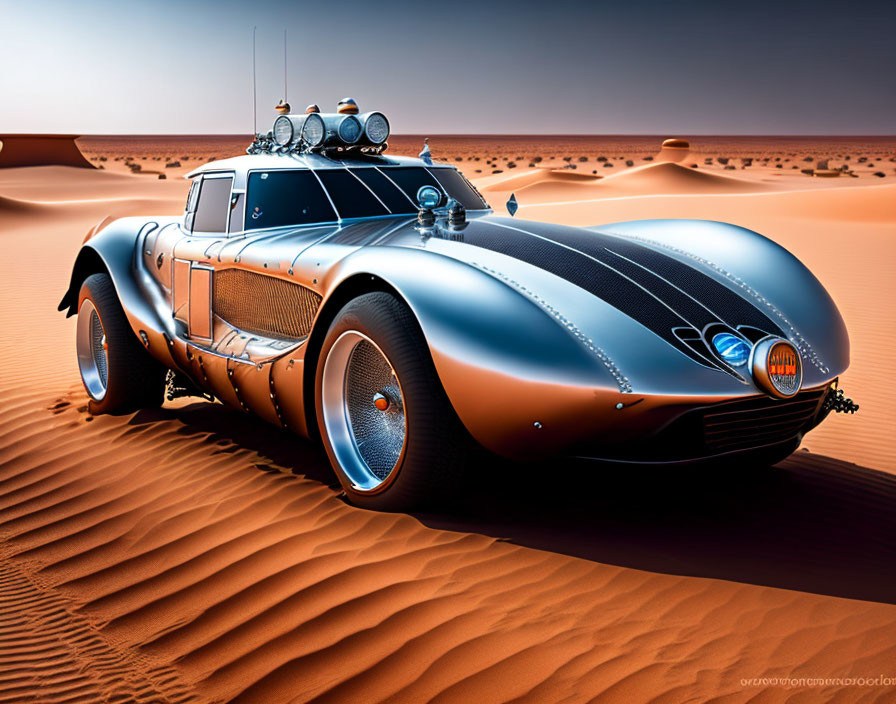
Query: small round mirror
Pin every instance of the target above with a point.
(428, 197)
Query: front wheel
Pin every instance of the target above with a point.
(118, 374)
(389, 430)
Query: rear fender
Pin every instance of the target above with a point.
(113, 250)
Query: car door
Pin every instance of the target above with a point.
(206, 222)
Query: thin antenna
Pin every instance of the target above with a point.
(285, 96)
(254, 96)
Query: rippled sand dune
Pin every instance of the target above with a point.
(196, 554)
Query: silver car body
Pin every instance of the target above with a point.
(547, 339)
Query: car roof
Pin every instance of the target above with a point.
(246, 162)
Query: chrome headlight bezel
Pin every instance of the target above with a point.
(376, 128)
(282, 124)
(314, 130)
(768, 357)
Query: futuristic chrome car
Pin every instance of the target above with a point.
(376, 302)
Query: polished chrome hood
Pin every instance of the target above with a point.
(679, 296)
(674, 300)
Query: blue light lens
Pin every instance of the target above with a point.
(428, 197)
(731, 348)
(349, 129)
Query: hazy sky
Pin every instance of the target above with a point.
(599, 67)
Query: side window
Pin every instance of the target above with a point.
(213, 208)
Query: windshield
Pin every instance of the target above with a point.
(289, 197)
(455, 185)
(351, 197)
(295, 196)
(450, 181)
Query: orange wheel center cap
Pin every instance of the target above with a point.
(380, 401)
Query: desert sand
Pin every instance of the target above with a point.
(194, 554)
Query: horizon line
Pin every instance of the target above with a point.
(79, 135)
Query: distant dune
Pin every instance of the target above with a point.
(537, 176)
(12, 205)
(669, 177)
(41, 150)
(664, 177)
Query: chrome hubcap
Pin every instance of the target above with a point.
(93, 359)
(363, 411)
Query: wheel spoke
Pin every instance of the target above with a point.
(363, 411)
(93, 360)
(378, 434)
(98, 340)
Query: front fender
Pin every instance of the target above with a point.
(765, 273)
(518, 377)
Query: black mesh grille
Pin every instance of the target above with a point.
(721, 300)
(730, 426)
(603, 281)
(738, 425)
(263, 304)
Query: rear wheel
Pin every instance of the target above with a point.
(118, 374)
(390, 432)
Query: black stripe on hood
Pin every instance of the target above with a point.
(650, 287)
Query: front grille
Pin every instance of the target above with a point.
(264, 305)
(754, 422)
(730, 426)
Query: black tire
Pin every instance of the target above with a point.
(436, 446)
(133, 378)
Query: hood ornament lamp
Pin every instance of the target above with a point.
(512, 205)
(425, 154)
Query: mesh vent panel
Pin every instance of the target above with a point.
(603, 281)
(263, 304)
(747, 423)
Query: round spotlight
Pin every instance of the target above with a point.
(376, 127)
(428, 197)
(776, 366)
(314, 131)
(349, 129)
(283, 131)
